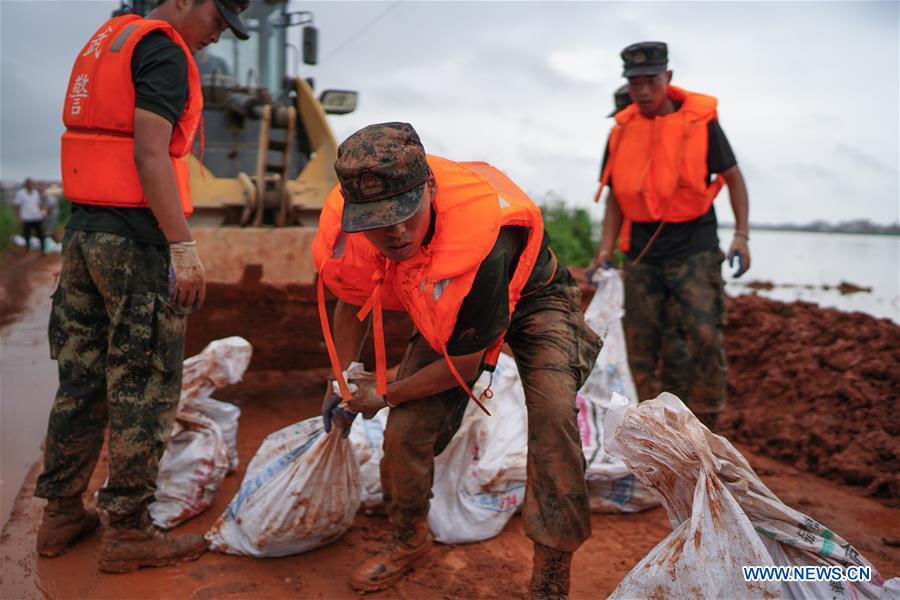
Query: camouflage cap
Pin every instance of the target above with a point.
(382, 170)
(645, 58)
(621, 99)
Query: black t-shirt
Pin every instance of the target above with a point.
(484, 313)
(678, 240)
(159, 73)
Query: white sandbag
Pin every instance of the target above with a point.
(222, 362)
(479, 479)
(191, 470)
(300, 492)
(611, 487)
(722, 514)
(367, 438)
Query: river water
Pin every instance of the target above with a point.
(800, 264)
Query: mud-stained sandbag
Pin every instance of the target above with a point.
(366, 439)
(300, 492)
(723, 516)
(202, 448)
(479, 479)
(611, 486)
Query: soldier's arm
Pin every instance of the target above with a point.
(434, 378)
(349, 333)
(740, 205)
(612, 222)
(152, 133)
(740, 202)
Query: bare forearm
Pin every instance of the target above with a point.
(434, 378)
(349, 333)
(740, 202)
(612, 222)
(152, 134)
(157, 179)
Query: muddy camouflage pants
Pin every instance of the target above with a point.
(555, 352)
(675, 310)
(119, 346)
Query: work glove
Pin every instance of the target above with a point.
(739, 250)
(334, 413)
(187, 277)
(601, 261)
(365, 399)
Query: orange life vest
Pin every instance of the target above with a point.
(98, 144)
(473, 201)
(659, 164)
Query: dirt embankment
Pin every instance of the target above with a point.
(818, 389)
(282, 323)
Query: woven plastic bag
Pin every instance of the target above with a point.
(479, 479)
(301, 491)
(723, 516)
(202, 447)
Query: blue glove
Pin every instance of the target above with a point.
(589, 274)
(332, 412)
(740, 258)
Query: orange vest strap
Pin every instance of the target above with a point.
(329, 341)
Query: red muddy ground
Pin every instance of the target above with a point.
(491, 569)
(800, 377)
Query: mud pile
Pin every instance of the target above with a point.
(282, 323)
(816, 388)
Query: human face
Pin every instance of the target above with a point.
(649, 93)
(201, 23)
(401, 241)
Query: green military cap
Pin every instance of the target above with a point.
(645, 58)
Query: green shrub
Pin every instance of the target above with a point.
(570, 231)
(8, 226)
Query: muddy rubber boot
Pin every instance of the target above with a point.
(407, 548)
(550, 573)
(124, 550)
(65, 522)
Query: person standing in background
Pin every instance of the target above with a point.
(666, 160)
(30, 213)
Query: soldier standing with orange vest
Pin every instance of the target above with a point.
(461, 249)
(130, 274)
(666, 160)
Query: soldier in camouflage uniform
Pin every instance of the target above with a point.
(130, 274)
(674, 291)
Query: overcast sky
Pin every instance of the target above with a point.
(808, 90)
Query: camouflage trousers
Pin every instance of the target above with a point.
(119, 346)
(674, 318)
(555, 352)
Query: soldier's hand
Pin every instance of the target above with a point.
(333, 413)
(365, 399)
(741, 251)
(189, 289)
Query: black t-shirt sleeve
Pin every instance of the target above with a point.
(719, 156)
(159, 73)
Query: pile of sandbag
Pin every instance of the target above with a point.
(202, 449)
(723, 517)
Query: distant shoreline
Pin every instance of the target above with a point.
(890, 230)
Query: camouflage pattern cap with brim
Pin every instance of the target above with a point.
(382, 171)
